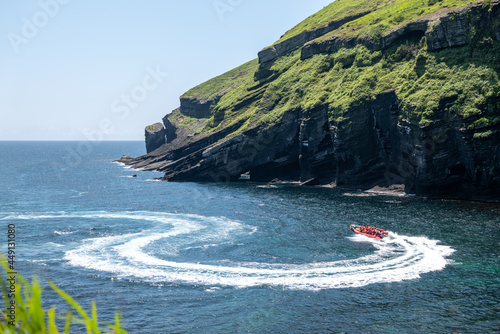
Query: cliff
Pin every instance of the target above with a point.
(361, 94)
(155, 136)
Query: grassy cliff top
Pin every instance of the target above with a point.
(377, 16)
(394, 14)
(335, 11)
(468, 75)
(222, 83)
(380, 16)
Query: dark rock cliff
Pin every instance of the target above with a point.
(372, 148)
(445, 160)
(155, 136)
(197, 108)
(453, 155)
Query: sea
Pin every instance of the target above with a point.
(243, 257)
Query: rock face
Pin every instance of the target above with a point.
(445, 160)
(461, 27)
(373, 148)
(170, 130)
(155, 136)
(368, 149)
(375, 145)
(197, 108)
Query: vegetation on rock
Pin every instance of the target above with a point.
(460, 79)
(398, 70)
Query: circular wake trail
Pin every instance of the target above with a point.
(396, 258)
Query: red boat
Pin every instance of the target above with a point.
(369, 231)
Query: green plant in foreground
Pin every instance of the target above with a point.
(31, 317)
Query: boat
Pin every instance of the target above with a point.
(369, 231)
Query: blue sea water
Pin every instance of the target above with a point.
(243, 257)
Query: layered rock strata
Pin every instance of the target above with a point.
(373, 148)
(375, 145)
(155, 136)
(444, 29)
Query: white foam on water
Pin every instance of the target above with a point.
(62, 232)
(396, 258)
(53, 244)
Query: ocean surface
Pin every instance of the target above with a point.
(244, 257)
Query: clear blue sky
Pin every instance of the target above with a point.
(67, 65)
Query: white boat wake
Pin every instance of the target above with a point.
(134, 255)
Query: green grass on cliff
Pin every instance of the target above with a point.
(393, 14)
(336, 11)
(230, 87)
(224, 82)
(458, 81)
(420, 78)
(382, 15)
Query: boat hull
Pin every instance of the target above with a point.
(356, 229)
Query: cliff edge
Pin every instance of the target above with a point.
(362, 94)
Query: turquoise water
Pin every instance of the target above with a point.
(244, 258)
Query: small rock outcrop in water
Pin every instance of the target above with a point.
(155, 136)
(417, 105)
(125, 159)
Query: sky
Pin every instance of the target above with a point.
(104, 70)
